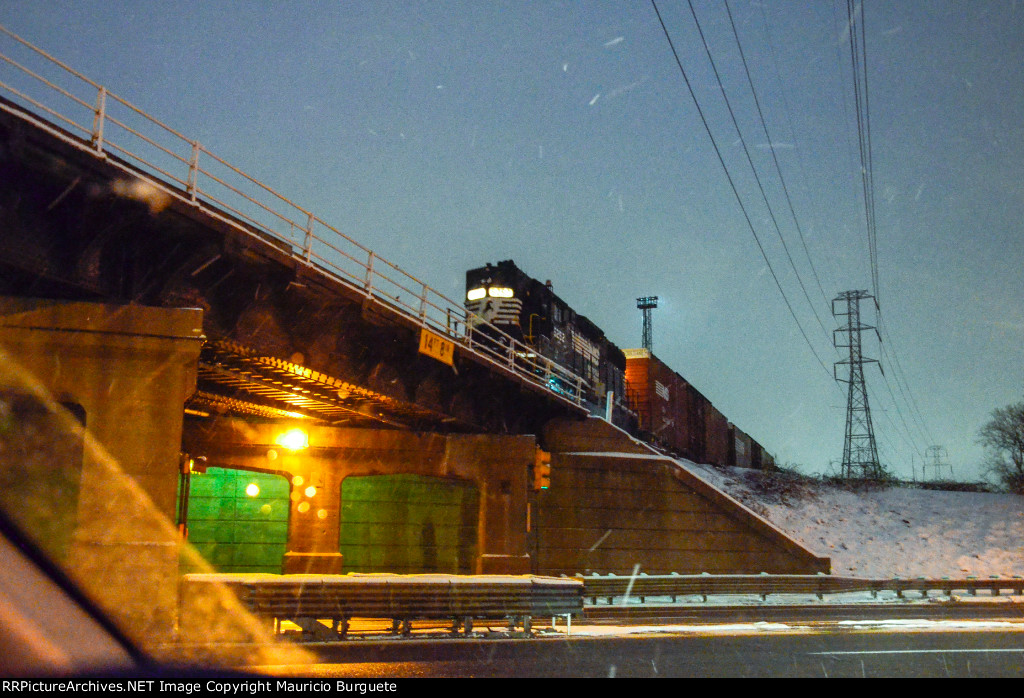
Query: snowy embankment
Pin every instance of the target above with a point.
(889, 532)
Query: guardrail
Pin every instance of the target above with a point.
(309, 600)
(167, 164)
(642, 586)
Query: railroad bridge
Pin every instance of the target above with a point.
(290, 398)
(330, 334)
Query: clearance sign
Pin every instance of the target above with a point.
(437, 347)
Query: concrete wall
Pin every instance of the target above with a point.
(126, 372)
(608, 512)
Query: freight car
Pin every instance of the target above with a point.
(671, 412)
(745, 452)
(648, 398)
(716, 437)
(675, 415)
(741, 451)
(531, 312)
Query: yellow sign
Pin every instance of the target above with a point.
(437, 347)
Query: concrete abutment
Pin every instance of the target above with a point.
(615, 506)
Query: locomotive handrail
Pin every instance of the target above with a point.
(227, 193)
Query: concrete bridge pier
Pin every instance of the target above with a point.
(91, 400)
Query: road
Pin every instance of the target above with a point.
(829, 651)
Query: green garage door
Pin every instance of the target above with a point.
(238, 520)
(408, 524)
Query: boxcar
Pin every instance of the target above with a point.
(716, 437)
(670, 411)
(740, 447)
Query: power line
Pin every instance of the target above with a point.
(750, 160)
(778, 169)
(899, 413)
(732, 184)
(842, 92)
(792, 131)
(858, 51)
(899, 374)
(858, 54)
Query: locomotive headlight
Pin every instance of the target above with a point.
(500, 292)
(476, 294)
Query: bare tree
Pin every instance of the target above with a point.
(1003, 439)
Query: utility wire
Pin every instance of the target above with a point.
(837, 27)
(915, 411)
(910, 436)
(792, 132)
(778, 169)
(732, 185)
(750, 160)
(858, 57)
(860, 98)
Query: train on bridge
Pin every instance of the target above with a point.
(635, 389)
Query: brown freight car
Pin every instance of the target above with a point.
(716, 436)
(741, 448)
(671, 412)
(677, 416)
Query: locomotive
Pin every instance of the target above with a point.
(633, 388)
(531, 312)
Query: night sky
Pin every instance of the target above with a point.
(562, 135)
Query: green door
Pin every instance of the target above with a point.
(408, 524)
(238, 520)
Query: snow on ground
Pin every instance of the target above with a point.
(886, 532)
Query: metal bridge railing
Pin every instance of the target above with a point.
(162, 164)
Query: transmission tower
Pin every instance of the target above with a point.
(860, 453)
(646, 304)
(934, 458)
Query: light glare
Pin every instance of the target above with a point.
(293, 440)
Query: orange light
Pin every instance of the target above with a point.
(293, 440)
